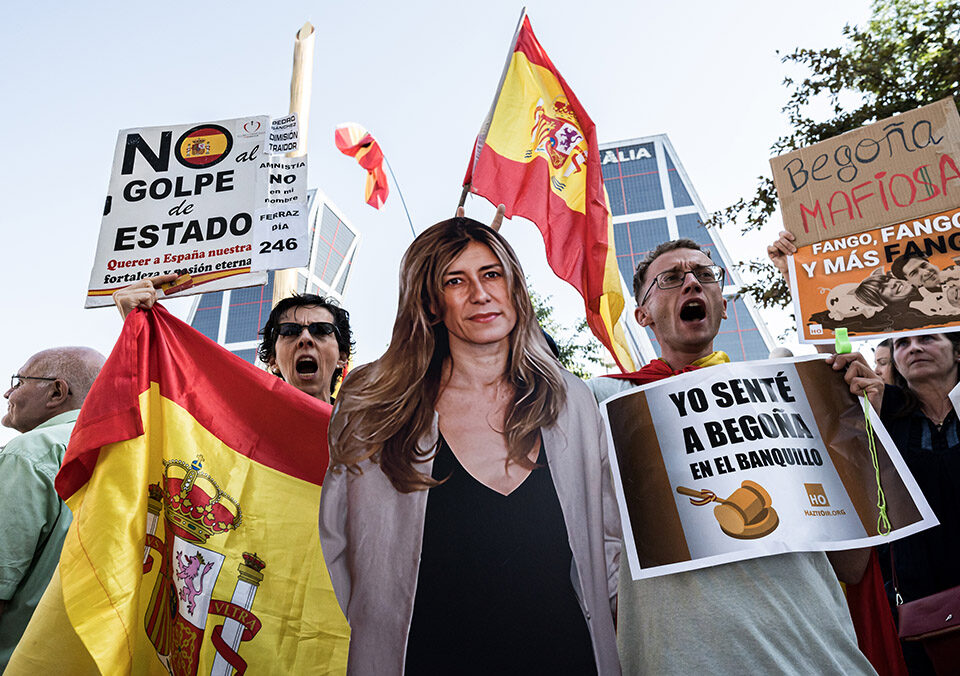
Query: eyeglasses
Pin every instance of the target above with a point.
(671, 279)
(16, 380)
(316, 329)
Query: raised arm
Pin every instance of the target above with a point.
(142, 294)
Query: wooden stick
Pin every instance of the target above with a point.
(301, 85)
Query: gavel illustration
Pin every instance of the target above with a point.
(746, 515)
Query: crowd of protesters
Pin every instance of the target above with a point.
(468, 519)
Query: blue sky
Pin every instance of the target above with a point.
(419, 76)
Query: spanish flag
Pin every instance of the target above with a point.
(355, 141)
(537, 155)
(194, 481)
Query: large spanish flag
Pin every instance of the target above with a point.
(537, 155)
(194, 480)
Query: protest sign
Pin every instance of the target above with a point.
(901, 278)
(839, 196)
(284, 136)
(749, 459)
(203, 200)
(897, 169)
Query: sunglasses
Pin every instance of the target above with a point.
(316, 329)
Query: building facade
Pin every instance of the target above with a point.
(234, 318)
(652, 201)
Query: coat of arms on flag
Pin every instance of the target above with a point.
(557, 136)
(192, 508)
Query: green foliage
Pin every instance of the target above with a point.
(580, 352)
(908, 55)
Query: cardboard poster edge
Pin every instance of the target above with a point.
(945, 106)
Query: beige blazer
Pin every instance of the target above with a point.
(372, 534)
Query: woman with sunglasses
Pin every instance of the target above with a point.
(306, 340)
(467, 518)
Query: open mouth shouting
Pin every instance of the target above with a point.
(693, 310)
(306, 366)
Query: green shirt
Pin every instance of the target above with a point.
(33, 522)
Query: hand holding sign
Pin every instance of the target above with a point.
(780, 249)
(859, 376)
(142, 294)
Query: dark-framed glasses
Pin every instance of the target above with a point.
(16, 380)
(671, 279)
(316, 329)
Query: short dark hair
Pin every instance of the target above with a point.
(341, 319)
(641, 271)
(900, 261)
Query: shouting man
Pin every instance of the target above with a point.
(777, 614)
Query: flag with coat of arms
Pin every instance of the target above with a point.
(537, 155)
(194, 479)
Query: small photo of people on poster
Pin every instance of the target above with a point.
(897, 278)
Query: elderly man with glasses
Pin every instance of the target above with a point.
(777, 614)
(43, 403)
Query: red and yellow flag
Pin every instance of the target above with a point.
(355, 141)
(537, 155)
(194, 481)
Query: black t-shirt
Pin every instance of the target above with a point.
(494, 593)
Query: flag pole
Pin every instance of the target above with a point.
(399, 192)
(301, 84)
(485, 127)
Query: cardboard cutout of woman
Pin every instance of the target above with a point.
(467, 518)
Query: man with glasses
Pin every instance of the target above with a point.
(777, 614)
(43, 403)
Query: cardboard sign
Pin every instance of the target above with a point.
(901, 278)
(891, 171)
(750, 459)
(197, 199)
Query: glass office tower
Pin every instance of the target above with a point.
(234, 318)
(652, 201)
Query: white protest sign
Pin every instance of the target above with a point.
(284, 136)
(184, 198)
(280, 222)
(750, 459)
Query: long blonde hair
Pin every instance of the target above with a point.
(386, 407)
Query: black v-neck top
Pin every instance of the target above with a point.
(494, 593)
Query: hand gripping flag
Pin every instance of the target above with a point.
(194, 480)
(355, 141)
(537, 155)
